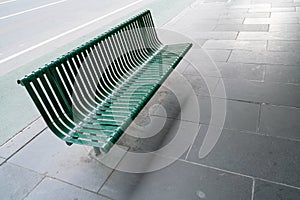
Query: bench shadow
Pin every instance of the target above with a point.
(155, 126)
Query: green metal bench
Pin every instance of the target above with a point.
(90, 95)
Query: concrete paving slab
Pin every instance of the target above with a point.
(286, 4)
(235, 44)
(245, 14)
(200, 57)
(54, 189)
(49, 155)
(22, 138)
(253, 4)
(282, 35)
(202, 86)
(242, 27)
(155, 133)
(270, 1)
(239, 115)
(265, 57)
(16, 182)
(182, 66)
(2, 160)
(274, 45)
(266, 190)
(279, 15)
(180, 180)
(284, 28)
(230, 71)
(262, 92)
(285, 20)
(272, 10)
(280, 121)
(230, 21)
(252, 154)
(286, 74)
(218, 55)
(214, 35)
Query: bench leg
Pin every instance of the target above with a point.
(97, 151)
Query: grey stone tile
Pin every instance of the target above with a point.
(153, 134)
(266, 190)
(242, 27)
(199, 13)
(214, 1)
(285, 4)
(231, 21)
(201, 66)
(198, 84)
(268, 36)
(182, 66)
(202, 57)
(202, 25)
(263, 92)
(273, 10)
(278, 15)
(238, 115)
(16, 182)
(17, 142)
(200, 21)
(231, 9)
(245, 14)
(289, 20)
(282, 74)
(272, 1)
(280, 1)
(265, 57)
(49, 155)
(219, 55)
(298, 9)
(202, 86)
(2, 160)
(253, 5)
(214, 35)
(54, 189)
(235, 44)
(280, 121)
(179, 97)
(179, 180)
(284, 27)
(230, 71)
(283, 45)
(252, 154)
(258, 15)
(241, 115)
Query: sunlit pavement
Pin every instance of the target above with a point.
(244, 76)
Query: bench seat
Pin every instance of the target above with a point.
(92, 94)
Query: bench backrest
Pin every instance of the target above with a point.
(88, 75)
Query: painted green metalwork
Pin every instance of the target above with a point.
(91, 95)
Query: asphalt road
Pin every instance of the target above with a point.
(27, 25)
(35, 32)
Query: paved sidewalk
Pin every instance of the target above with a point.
(251, 49)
